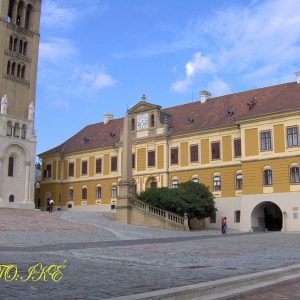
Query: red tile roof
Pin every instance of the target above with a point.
(212, 114)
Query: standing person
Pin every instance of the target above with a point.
(48, 204)
(222, 225)
(225, 225)
(51, 203)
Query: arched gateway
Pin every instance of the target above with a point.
(266, 216)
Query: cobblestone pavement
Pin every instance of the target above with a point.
(106, 259)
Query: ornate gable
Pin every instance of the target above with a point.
(143, 106)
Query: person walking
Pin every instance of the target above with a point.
(51, 204)
(225, 225)
(222, 225)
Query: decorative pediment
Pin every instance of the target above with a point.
(143, 106)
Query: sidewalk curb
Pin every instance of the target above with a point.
(224, 288)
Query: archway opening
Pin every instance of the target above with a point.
(151, 183)
(266, 216)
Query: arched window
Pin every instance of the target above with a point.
(10, 9)
(152, 120)
(28, 16)
(24, 48)
(114, 191)
(238, 181)
(294, 174)
(13, 68)
(17, 130)
(9, 128)
(19, 71)
(23, 72)
(216, 182)
(98, 192)
(23, 132)
(19, 13)
(84, 193)
(267, 177)
(11, 164)
(8, 67)
(11, 198)
(21, 47)
(11, 42)
(70, 194)
(132, 124)
(15, 44)
(175, 183)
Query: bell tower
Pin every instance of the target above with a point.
(19, 43)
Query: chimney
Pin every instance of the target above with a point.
(107, 117)
(298, 76)
(204, 95)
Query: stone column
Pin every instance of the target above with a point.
(23, 16)
(123, 213)
(27, 180)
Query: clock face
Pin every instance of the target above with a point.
(142, 121)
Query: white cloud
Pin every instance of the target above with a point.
(218, 87)
(60, 103)
(180, 86)
(199, 64)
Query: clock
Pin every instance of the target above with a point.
(142, 121)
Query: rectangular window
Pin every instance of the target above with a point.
(98, 192)
(239, 182)
(48, 171)
(215, 150)
(84, 167)
(292, 136)
(237, 216)
(70, 195)
(98, 165)
(267, 177)
(265, 141)
(133, 160)
(151, 158)
(71, 169)
(114, 163)
(217, 183)
(174, 156)
(237, 148)
(194, 153)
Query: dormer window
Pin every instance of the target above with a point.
(152, 120)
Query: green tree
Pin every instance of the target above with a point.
(192, 198)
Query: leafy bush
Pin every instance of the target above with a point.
(192, 198)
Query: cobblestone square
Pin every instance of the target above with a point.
(105, 259)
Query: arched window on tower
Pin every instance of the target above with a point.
(9, 128)
(13, 68)
(11, 163)
(23, 72)
(15, 44)
(28, 16)
(24, 48)
(8, 67)
(132, 124)
(19, 13)
(10, 10)
(11, 42)
(152, 120)
(19, 71)
(17, 130)
(21, 47)
(23, 132)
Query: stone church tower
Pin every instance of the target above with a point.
(19, 41)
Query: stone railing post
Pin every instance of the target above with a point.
(186, 222)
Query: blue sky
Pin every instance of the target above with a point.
(101, 56)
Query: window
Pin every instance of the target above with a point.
(98, 165)
(98, 192)
(132, 124)
(28, 16)
(70, 195)
(10, 9)
(267, 177)
(238, 181)
(294, 175)
(215, 150)
(11, 41)
(195, 179)
(237, 148)
(15, 44)
(11, 162)
(114, 191)
(217, 183)
(133, 161)
(19, 13)
(23, 72)
(175, 183)
(237, 216)
(174, 156)
(9, 128)
(8, 71)
(48, 171)
(194, 153)
(11, 198)
(114, 163)
(13, 68)
(151, 158)
(292, 136)
(84, 167)
(19, 71)
(23, 132)
(265, 141)
(152, 121)
(24, 48)
(71, 169)
(21, 47)
(84, 193)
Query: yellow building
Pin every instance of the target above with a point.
(244, 146)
